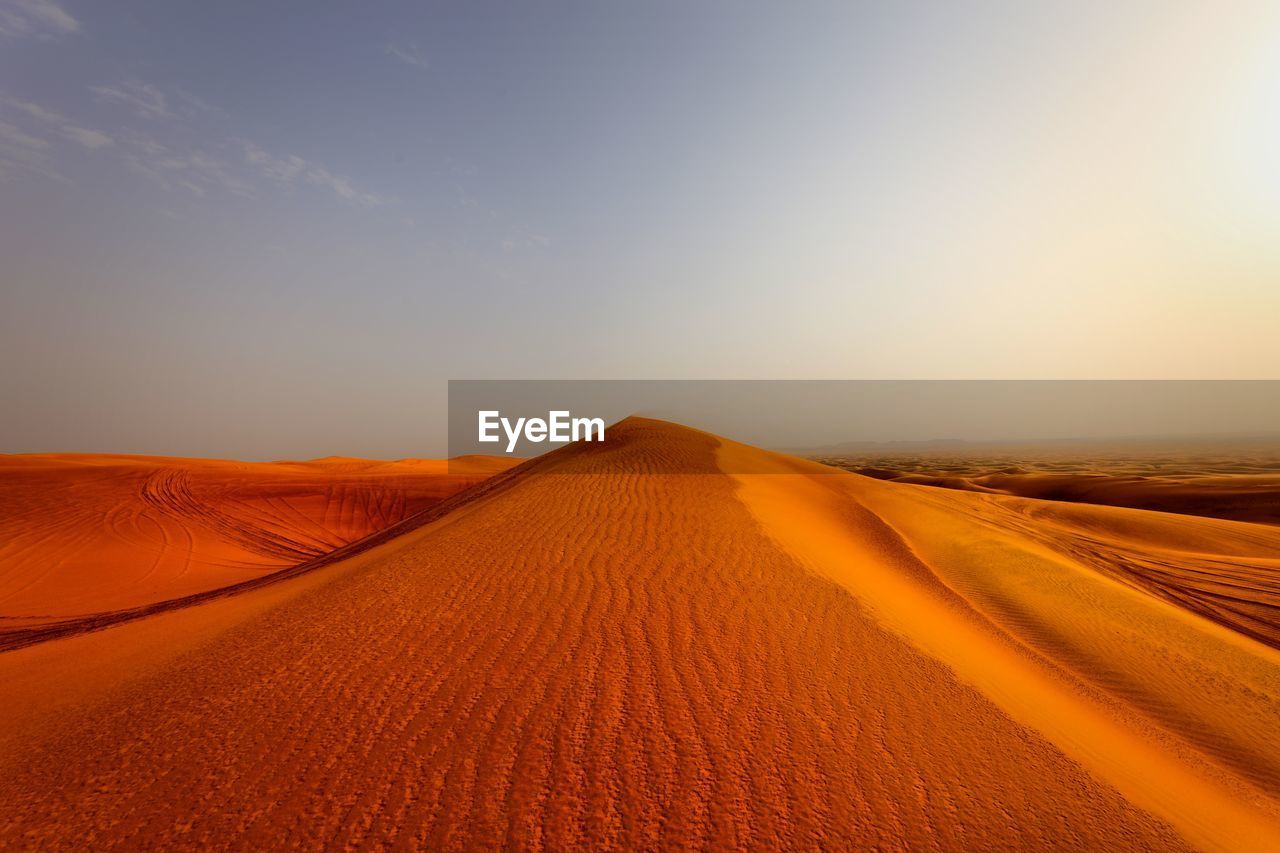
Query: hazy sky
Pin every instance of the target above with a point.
(275, 229)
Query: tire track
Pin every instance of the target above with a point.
(92, 541)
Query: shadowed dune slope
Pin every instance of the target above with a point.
(1238, 497)
(597, 653)
(86, 534)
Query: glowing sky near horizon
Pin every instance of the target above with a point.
(275, 230)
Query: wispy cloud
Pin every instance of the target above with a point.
(23, 152)
(284, 169)
(342, 187)
(194, 170)
(11, 136)
(35, 18)
(291, 168)
(408, 54)
(531, 241)
(142, 98)
(178, 153)
(33, 110)
(87, 137)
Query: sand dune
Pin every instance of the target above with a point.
(84, 536)
(1218, 485)
(589, 650)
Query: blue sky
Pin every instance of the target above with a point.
(269, 230)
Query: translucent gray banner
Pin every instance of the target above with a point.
(861, 419)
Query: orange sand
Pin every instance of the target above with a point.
(583, 652)
(82, 535)
(1217, 485)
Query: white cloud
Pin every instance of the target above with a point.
(532, 241)
(87, 137)
(173, 167)
(35, 18)
(143, 98)
(408, 54)
(22, 152)
(291, 167)
(33, 110)
(277, 168)
(189, 103)
(196, 171)
(342, 187)
(16, 137)
(178, 156)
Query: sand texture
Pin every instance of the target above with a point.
(589, 651)
(88, 539)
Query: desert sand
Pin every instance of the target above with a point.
(87, 537)
(1238, 481)
(591, 650)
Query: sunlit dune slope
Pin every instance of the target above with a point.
(83, 534)
(1227, 572)
(593, 651)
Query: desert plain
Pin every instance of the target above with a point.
(665, 640)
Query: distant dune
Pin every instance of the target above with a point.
(589, 651)
(1240, 497)
(85, 535)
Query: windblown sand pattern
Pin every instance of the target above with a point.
(587, 651)
(86, 537)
